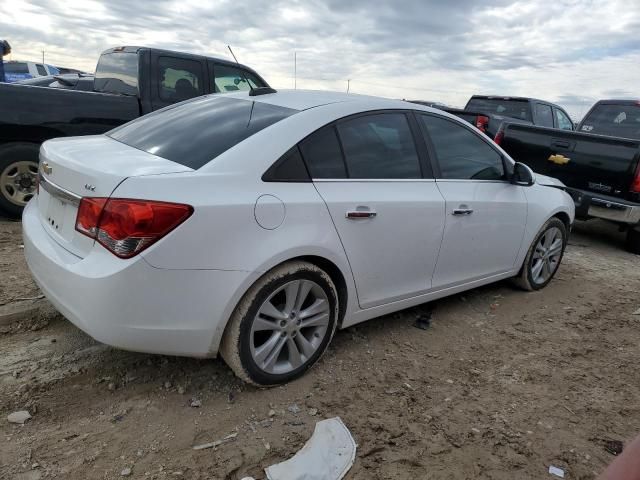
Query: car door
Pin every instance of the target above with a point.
(383, 200)
(485, 214)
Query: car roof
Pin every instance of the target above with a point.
(306, 99)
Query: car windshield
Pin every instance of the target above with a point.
(197, 131)
(117, 73)
(499, 106)
(613, 120)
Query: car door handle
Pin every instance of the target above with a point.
(462, 211)
(561, 144)
(359, 214)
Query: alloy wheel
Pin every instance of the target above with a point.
(546, 256)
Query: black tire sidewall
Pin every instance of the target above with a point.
(553, 223)
(633, 240)
(244, 350)
(9, 154)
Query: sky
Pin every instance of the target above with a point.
(572, 52)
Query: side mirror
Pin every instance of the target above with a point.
(522, 175)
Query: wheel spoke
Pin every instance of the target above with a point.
(261, 324)
(546, 272)
(319, 306)
(269, 310)
(268, 352)
(295, 359)
(320, 320)
(303, 293)
(305, 346)
(536, 269)
(556, 247)
(291, 295)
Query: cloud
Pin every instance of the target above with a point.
(553, 49)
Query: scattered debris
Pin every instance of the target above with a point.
(614, 447)
(423, 320)
(295, 409)
(272, 413)
(195, 403)
(313, 412)
(125, 472)
(217, 443)
(328, 455)
(19, 417)
(637, 312)
(556, 472)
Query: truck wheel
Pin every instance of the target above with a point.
(633, 240)
(544, 256)
(18, 176)
(282, 325)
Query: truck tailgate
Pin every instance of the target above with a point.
(582, 161)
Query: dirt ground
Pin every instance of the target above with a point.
(503, 385)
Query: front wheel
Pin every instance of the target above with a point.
(18, 176)
(282, 325)
(544, 256)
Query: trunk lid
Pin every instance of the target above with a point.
(91, 166)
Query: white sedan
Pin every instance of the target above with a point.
(255, 224)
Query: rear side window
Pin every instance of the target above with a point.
(194, 133)
(322, 154)
(544, 117)
(379, 146)
(462, 154)
(613, 120)
(506, 107)
(232, 79)
(180, 79)
(41, 70)
(17, 67)
(117, 73)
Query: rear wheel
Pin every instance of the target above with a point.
(544, 256)
(282, 325)
(633, 240)
(18, 176)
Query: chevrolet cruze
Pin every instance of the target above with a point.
(255, 224)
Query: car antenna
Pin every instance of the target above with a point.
(254, 91)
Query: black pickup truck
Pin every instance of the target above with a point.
(523, 110)
(129, 82)
(599, 163)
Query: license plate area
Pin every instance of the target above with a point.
(55, 214)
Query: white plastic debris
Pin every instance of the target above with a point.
(19, 417)
(217, 443)
(556, 472)
(637, 312)
(327, 455)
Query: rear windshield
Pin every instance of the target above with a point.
(509, 108)
(197, 131)
(613, 120)
(17, 67)
(117, 73)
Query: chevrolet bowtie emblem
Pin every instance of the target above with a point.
(46, 168)
(559, 159)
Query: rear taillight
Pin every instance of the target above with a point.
(125, 227)
(499, 136)
(482, 122)
(635, 185)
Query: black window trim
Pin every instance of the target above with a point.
(425, 163)
(269, 175)
(506, 165)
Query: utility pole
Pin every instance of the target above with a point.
(295, 70)
(42, 56)
(348, 85)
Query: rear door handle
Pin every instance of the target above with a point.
(359, 214)
(561, 144)
(462, 211)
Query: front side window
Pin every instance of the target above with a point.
(196, 132)
(379, 146)
(233, 79)
(544, 117)
(180, 79)
(117, 73)
(462, 154)
(564, 123)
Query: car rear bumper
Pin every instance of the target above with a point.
(594, 205)
(128, 303)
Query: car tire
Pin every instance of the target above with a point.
(544, 256)
(633, 240)
(293, 308)
(18, 175)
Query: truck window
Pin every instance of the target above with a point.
(563, 121)
(117, 73)
(41, 70)
(180, 79)
(197, 131)
(613, 120)
(500, 106)
(544, 117)
(16, 67)
(232, 79)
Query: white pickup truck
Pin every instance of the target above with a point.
(15, 71)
